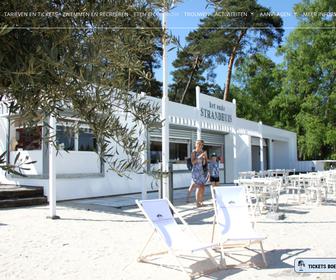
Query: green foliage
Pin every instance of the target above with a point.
(190, 70)
(299, 95)
(84, 65)
(284, 110)
(258, 82)
(310, 64)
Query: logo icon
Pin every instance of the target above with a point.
(301, 265)
(159, 216)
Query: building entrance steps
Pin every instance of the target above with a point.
(17, 196)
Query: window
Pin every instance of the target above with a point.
(155, 152)
(29, 138)
(65, 138)
(177, 151)
(86, 140)
(68, 139)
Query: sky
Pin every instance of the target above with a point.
(186, 16)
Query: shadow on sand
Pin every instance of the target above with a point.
(203, 216)
(276, 259)
(293, 211)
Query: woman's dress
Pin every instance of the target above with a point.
(199, 177)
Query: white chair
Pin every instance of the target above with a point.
(177, 238)
(262, 193)
(297, 187)
(232, 220)
(331, 184)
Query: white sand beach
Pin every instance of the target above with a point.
(101, 242)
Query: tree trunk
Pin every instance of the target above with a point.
(228, 77)
(230, 66)
(190, 78)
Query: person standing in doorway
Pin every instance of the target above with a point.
(199, 176)
(213, 166)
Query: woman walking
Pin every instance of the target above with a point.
(199, 174)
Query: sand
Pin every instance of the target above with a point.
(101, 242)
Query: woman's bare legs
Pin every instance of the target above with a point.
(215, 184)
(200, 195)
(202, 190)
(191, 188)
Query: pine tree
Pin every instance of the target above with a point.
(235, 29)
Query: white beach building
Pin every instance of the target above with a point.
(242, 145)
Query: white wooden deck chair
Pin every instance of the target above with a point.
(177, 238)
(232, 220)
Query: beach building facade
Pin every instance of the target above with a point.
(241, 145)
